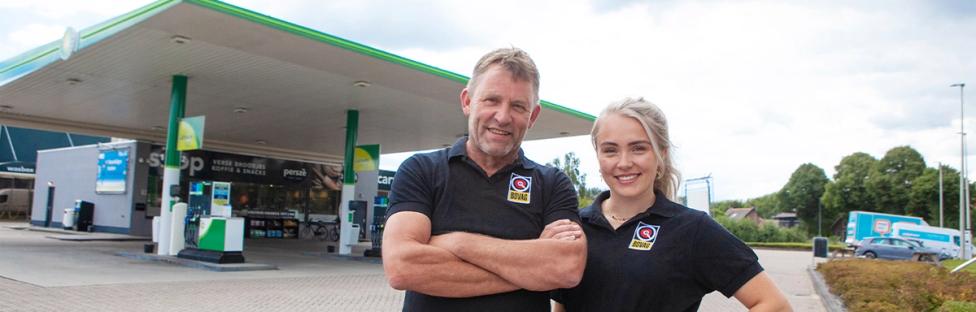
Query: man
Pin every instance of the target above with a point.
(477, 226)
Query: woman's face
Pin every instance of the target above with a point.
(627, 161)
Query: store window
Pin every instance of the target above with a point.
(323, 201)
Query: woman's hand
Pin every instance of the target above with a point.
(562, 229)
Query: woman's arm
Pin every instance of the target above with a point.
(761, 294)
(558, 307)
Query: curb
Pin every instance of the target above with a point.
(68, 235)
(229, 267)
(44, 229)
(831, 302)
(90, 238)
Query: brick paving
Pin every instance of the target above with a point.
(306, 281)
(320, 293)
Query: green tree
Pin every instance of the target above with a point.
(586, 198)
(849, 189)
(924, 201)
(925, 196)
(570, 165)
(890, 182)
(767, 205)
(803, 193)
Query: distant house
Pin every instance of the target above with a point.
(744, 213)
(786, 219)
(839, 227)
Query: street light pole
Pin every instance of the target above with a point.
(940, 196)
(964, 225)
(819, 217)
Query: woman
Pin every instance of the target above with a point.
(645, 252)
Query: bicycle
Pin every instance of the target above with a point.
(324, 230)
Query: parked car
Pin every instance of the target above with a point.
(895, 248)
(942, 253)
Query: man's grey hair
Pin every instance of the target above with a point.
(515, 61)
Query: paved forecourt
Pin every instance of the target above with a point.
(43, 274)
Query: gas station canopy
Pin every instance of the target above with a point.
(266, 86)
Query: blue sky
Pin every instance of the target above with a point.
(753, 89)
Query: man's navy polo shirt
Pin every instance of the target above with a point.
(664, 259)
(517, 202)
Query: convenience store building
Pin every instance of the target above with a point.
(274, 94)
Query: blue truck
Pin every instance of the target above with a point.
(861, 224)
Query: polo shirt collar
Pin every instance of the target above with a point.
(459, 150)
(661, 207)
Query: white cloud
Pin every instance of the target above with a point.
(34, 35)
(69, 9)
(752, 89)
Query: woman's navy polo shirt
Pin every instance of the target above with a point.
(664, 259)
(517, 202)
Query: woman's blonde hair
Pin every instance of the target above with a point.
(652, 119)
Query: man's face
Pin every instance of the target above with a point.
(500, 110)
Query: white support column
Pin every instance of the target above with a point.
(345, 230)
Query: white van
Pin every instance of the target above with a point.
(947, 240)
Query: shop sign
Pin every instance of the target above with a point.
(366, 158)
(17, 167)
(190, 134)
(113, 168)
(215, 166)
(385, 180)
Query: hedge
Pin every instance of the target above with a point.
(953, 263)
(879, 285)
(808, 246)
(768, 231)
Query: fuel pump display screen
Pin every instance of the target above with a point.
(198, 202)
(196, 188)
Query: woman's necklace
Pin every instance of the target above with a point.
(607, 212)
(618, 219)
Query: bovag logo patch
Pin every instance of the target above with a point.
(519, 189)
(644, 236)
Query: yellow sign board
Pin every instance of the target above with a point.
(190, 135)
(366, 158)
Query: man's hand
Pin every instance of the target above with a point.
(559, 229)
(539, 264)
(410, 263)
(562, 229)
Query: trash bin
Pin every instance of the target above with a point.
(352, 236)
(86, 214)
(820, 247)
(68, 220)
(358, 208)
